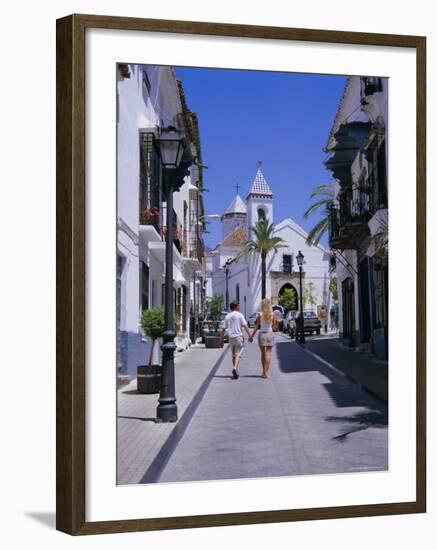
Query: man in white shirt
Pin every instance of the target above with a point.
(234, 323)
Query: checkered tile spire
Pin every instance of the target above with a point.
(260, 185)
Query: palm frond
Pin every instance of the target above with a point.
(317, 232)
(276, 242)
(263, 230)
(315, 206)
(326, 194)
(264, 240)
(249, 247)
(324, 189)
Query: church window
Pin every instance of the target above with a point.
(237, 292)
(287, 263)
(261, 214)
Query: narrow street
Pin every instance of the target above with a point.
(306, 419)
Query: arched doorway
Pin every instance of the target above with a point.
(288, 296)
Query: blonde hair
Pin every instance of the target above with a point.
(266, 311)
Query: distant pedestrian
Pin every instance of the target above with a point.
(234, 323)
(265, 323)
(323, 316)
(332, 314)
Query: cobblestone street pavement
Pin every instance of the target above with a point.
(143, 446)
(306, 419)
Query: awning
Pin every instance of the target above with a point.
(178, 278)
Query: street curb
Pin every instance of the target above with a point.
(154, 471)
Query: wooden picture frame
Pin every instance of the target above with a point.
(71, 253)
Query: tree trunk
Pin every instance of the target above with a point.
(151, 352)
(263, 276)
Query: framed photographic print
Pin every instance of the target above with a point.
(240, 274)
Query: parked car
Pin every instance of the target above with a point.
(251, 320)
(279, 313)
(207, 326)
(311, 323)
(290, 323)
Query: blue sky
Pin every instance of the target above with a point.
(282, 119)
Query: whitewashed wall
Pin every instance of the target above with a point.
(141, 109)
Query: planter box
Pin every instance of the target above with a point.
(149, 378)
(214, 341)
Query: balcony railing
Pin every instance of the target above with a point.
(348, 221)
(334, 227)
(197, 249)
(378, 197)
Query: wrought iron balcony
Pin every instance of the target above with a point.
(335, 240)
(348, 221)
(197, 249)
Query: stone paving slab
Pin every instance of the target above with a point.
(144, 445)
(306, 419)
(362, 367)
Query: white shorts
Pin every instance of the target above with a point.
(236, 343)
(266, 339)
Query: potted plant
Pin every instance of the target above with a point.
(215, 338)
(149, 376)
(151, 216)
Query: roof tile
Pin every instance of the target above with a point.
(236, 238)
(260, 185)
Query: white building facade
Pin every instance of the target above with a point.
(359, 220)
(244, 275)
(150, 98)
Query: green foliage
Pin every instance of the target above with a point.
(215, 307)
(327, 194)
(177, 322)
(288, 299)
(153, 322)
(263, 242)
(333, 287)
(308, 295)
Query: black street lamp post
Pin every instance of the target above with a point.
(176, 158)
(197, 302)
(299, 259)
(227, 269)
(194, 308)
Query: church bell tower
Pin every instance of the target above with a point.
(259, 201)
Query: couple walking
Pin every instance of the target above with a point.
(234, 325)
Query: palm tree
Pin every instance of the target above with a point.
(328, 194)
(262, 243)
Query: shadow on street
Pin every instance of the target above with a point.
(343, 392)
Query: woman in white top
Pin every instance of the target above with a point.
(264, 323)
